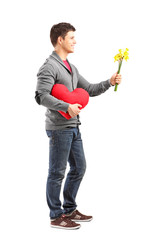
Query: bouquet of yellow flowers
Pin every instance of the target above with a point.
(123, 54)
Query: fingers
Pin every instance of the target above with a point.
(74, 110)
(118, 75)
(72, 115)
(118, 78)
(79, 105)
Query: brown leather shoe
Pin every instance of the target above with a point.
(78, 217)
(64, 222)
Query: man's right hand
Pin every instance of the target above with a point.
(74, 110)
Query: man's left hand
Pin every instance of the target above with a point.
(116, 78)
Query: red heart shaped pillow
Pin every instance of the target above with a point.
(79, 95)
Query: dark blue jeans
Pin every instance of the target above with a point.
(65, 146)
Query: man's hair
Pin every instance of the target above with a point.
(60, 29)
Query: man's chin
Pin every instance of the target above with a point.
(71, 51)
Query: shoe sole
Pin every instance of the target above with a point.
(66, 228)
(79, 220)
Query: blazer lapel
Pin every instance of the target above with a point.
(57, 57)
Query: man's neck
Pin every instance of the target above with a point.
(62, 54)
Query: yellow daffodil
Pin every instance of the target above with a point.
(123, 54)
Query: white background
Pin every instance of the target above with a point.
(120, 129)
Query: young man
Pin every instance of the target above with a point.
(65, 137)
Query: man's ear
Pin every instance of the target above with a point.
(59, 40)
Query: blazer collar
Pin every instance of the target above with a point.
(57, 57)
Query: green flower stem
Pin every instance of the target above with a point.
(119, 68)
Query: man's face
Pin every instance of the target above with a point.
(68, 42)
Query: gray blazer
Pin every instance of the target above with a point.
(55, 71)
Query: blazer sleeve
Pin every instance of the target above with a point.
(93, 89)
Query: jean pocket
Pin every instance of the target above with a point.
(50, 134)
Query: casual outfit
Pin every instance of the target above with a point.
(65, 143)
